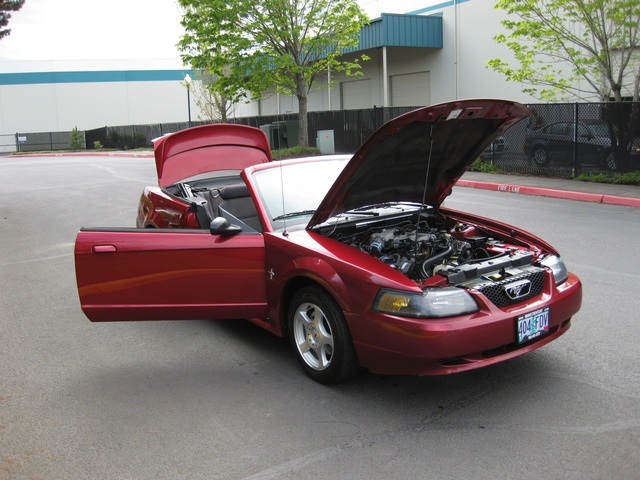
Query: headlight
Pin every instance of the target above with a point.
(433, 302)
(557, 266)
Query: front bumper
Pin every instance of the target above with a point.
(392, 345)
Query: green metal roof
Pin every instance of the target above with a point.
(390, 30)
(34, 78)
(396, 30)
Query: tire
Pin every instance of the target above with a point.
(540, 156)
(610, 162)
(320, 337)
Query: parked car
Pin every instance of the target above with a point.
(555, 143)
(354, 259)
(495, 150)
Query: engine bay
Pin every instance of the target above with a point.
(438, 248)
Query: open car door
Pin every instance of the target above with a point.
(147, 274)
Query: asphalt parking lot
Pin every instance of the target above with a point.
(227, 400)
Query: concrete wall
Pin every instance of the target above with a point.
(85, 97)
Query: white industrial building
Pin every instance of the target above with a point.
(438, 52)
(404, 75)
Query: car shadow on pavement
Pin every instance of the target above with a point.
(278, 353)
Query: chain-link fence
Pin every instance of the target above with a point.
(37, 142)
(564, 140)
(559, 140)
(350, 127)
(129, 137)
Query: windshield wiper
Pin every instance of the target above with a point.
(356, 212)
(396, 205)
(294, 214)
(372, 210)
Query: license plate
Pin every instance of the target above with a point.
(532, 324)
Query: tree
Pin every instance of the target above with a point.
(250, 47)
(572, 48)
(213, 107)
(76, 139)
(5, 7)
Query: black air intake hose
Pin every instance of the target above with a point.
(438, 257)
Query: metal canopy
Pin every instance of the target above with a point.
(396, 30)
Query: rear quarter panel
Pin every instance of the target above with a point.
(157, 209)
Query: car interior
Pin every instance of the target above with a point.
(233, 200)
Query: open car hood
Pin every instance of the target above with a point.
(433, 145)
(208, 148)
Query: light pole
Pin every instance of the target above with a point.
(187, 83)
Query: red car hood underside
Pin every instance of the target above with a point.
(432, 145)
(208, 148)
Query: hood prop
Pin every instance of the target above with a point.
(424, 192)
(284, 212)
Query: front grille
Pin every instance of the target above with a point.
(496, 293)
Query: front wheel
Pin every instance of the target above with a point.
(320, 337)
(540, 156)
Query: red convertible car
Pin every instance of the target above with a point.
(353, 258)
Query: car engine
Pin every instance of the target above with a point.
(416, 252)
(461, 253)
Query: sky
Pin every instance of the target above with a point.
(97, 30)
(93, 30)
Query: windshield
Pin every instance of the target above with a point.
(599, 129)
(303, 185)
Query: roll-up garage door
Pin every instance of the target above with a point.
(410, 90)
(356, 94)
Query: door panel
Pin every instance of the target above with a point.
(154, 274)
(591, 149)
(560, 141)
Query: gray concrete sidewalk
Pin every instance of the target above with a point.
(630, 191)
(627, 195)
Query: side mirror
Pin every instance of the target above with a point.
(221, 226)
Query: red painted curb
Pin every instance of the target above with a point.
(87, 154)
(550, 192)
(625, 201)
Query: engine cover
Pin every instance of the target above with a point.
(475, 269)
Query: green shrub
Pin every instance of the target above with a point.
(294, 152)
(76, 140)
(627, 178)
(97, 145)
(480, 165)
